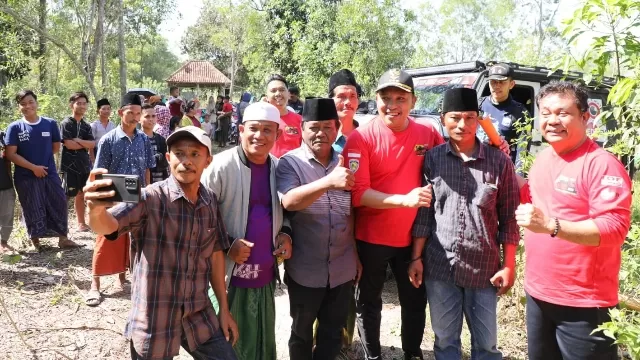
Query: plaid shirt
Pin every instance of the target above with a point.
(172, 242)
(471, 214)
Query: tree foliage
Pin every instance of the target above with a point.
(82, 49)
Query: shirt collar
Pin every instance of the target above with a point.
(121, 134)
(175, 192)
(308, 153)
(477, 154)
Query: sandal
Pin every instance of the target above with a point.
(93, 298)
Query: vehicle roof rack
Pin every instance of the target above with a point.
(469, 66)
(472, 66)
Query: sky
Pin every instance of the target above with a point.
(188, 11)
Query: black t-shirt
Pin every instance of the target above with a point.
(297, 106)
(5, 179)
(159, 146)
(76, 161)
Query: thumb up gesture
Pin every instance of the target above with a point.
(340, 178)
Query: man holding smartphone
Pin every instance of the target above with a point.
(177, 241)
(128, 151)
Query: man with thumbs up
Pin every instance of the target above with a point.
(459, 237)
(314, 185)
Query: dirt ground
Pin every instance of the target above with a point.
(44, 294)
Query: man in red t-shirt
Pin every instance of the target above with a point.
(577, 215)
(386, 156)
(278, 96)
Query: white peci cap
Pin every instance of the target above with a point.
(262, 111)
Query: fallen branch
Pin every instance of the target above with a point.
(15, 326)
(84, 327)
(628, 303)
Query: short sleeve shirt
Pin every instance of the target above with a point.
(120, 154)
(34, 142)
(75, 161)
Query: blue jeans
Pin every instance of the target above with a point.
(216, 348)
(556, 332)
(447, 304)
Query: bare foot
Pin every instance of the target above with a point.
(83, 228)
(6, 248)
(36, 244)
(65, 243)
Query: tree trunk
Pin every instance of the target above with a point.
(42, 62)
(97, 39)
(57, 42)
(122, 55)
(100, 45)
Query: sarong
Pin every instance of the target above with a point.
(44, 206)
(110, 256)
(254, 310)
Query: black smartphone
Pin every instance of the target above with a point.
(127, 187)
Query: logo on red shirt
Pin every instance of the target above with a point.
(420, 149)
(291, 130)
(566, 185)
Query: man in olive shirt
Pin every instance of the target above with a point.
(313, 186)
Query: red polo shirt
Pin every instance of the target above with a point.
(588, 183)
(389, 162)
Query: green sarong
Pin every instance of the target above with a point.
(254, 310)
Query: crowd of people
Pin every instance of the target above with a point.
(338, 204)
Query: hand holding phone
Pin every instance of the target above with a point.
(103, 189)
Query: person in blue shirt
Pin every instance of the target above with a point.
(31, 143)
(128, 151)
(506, 113)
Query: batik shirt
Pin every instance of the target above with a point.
(120, 154)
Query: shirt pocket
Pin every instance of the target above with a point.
(207, 247)
(486, 196)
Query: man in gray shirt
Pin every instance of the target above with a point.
(472, 218)
(314, 188)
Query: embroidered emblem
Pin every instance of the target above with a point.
(420, 149)
(608, 194)
(566, 185)
(354, 164)
(291, 130)
(611, 181)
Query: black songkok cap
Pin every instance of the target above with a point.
(460, 99)
(342, 77)
(319, 109)
(102, 102)
(130, 99)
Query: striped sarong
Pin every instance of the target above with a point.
(44, 206)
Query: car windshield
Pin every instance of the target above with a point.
(430, 89)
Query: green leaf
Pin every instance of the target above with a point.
(11, 259)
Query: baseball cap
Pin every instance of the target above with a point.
(190, 132)
(500, 72)
(262, 111)
(396, 78)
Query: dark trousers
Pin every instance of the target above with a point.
(216, 348)
(330, 307)
(413, 301)
(556, 332)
